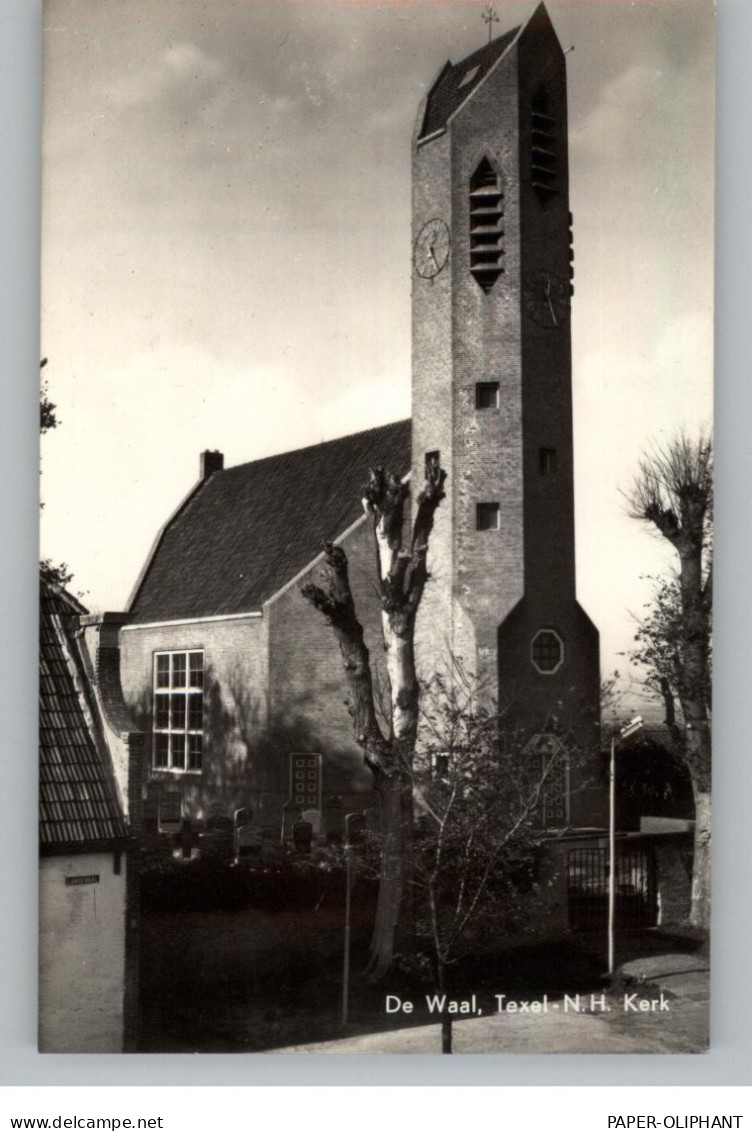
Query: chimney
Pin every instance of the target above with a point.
(211, 462)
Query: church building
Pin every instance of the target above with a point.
(235, 677)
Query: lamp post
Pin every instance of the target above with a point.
(628, 729)
(355, 829)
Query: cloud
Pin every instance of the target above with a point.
(180, 70)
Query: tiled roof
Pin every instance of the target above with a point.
(250, 529)
(449, 93)
(78, 804)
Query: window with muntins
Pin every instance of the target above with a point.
(547, 651)
(305, 780)
(555, 771)
(178, 711)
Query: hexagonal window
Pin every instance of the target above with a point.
(547, 651)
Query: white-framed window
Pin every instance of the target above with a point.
(178, 711)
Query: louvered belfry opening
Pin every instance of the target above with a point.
(486, 232)
(543, 147)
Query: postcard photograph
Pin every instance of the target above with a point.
(376, 526)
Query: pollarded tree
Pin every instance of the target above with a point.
(673, 491)
(389, 755)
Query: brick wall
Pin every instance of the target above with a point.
(275, 685)
(307, 687)
(81, 955)
(432, 408)
(235, 768)
(492, 590)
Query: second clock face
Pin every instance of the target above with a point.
(547, 299)
(431, 248)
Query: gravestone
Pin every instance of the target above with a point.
(302, 836)
(248, 840)
(355, 829)
(291, 814)
(313, 816)
(219, 839)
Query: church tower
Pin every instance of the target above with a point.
(492, 378)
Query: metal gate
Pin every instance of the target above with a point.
(587, 889)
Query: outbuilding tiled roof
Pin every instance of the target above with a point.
(458, 80)
(249, 530)
(78, 804)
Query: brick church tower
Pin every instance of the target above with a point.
(492, 377)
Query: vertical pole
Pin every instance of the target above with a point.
(611, 854)
(346, 967)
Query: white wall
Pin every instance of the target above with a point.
(81, 955)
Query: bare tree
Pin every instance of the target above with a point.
(673, 491)
(480, 795)
(389, 755)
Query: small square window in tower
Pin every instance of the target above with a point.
(432, 463)
(486, 232)
(487, 516)
(547, 461)
(487, 394)
(543, 145)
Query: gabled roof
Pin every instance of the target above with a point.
(78, 803)
(450, 91)
(249, 530)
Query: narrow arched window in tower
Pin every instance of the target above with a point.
(543, 153)
(486, 232)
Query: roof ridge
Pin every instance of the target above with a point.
(253, 527)
(450, 90)
(311, 447)
(54, 588)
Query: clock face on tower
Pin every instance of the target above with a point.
(431, 249)
(547, 299)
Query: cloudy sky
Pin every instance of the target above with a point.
(226, 251)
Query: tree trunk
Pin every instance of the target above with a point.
(403, 576)
(392, 931)
(693, 697)
(446, 1018)
(700, 912)
(698, 756)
